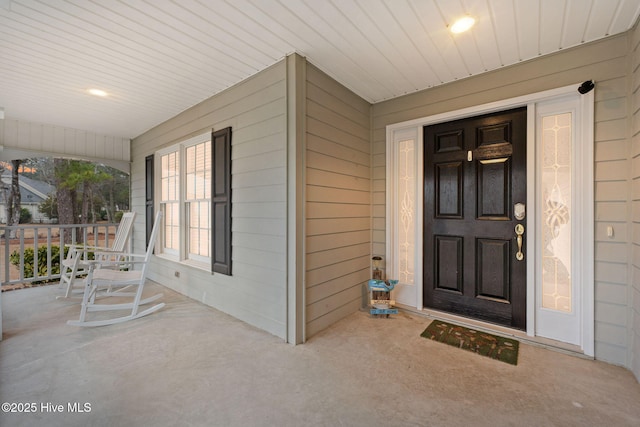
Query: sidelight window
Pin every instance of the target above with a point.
(556, 211)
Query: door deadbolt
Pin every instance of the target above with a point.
(519, 211)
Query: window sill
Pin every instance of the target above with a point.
(204, 266)
(197, 264)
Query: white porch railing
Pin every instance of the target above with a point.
(43, 240)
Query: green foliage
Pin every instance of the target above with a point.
(25, 216)
(98, 186)
(77, 174)
(42, 261)
(104, 189)
(118, 216)
(49, 207)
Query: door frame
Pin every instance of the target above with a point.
(584, 207)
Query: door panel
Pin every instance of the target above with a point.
(494, 188)
(448, 264)
(449, 191)
(493, 269)
(475, 171)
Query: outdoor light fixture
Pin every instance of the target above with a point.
(97, 92)
(462, 25)
(586, 87)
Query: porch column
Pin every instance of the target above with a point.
(296, 146)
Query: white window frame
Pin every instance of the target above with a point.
(169, 252)
(182, 255)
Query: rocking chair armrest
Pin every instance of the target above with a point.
(86, 248)
(125, 262)
(120, 254)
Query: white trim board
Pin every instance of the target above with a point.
(584, 175)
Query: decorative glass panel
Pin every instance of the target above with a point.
(556, 212)
(406, 211)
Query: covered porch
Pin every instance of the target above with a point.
(190, 364)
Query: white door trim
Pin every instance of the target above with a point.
(585, 206)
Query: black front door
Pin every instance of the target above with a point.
(475, 173)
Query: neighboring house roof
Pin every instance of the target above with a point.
(31, 190)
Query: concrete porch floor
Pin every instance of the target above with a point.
(190, 365)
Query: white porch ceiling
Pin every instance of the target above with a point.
(157, 58)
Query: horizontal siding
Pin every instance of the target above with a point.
(334, 226)
(338, 201)
(330, 179)
(40, 140)
(634, 294)
(256, 111)
(606, 63)
(612, 187)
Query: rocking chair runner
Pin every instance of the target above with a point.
(76, 262)
(110, 280)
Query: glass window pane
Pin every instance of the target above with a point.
(191, 162)
(169, 181)
(195, 201)
(406, 211)
(556, 212)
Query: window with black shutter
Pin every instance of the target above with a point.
(148, 192)
(221, 202)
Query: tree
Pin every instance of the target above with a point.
(85, 180)
(40, 169)
(113, 192)
(65, 195)
(25, 216)
(14, 199)
(84, 191)
(4, 189)
(49, 207)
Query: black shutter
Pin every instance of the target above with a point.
(148, 194)
(221, 202)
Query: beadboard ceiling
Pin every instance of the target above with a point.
(157, 58)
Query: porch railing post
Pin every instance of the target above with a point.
(6, 257)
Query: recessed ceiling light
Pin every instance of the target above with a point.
(97, 92)
(462, 24)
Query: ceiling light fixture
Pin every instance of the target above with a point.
(97, 92)
(462, 25)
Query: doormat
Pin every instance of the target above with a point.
(483, 343)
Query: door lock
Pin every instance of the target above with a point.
(519, 233)
(519, 211)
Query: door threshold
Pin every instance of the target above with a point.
(504, 331)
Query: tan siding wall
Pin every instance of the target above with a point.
(634, 316)
(606, 63)
(338, 208)
(22, 139)
(256, 111)
(612, 209)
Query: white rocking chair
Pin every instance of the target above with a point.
(76, 262)
(110, 280)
